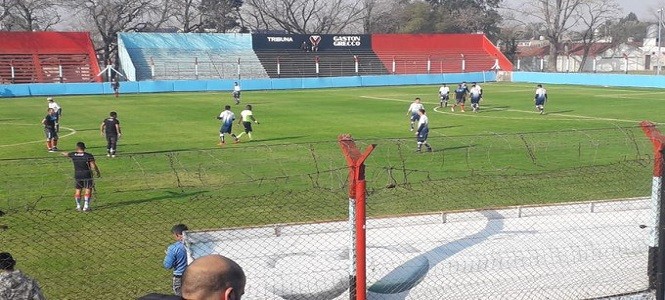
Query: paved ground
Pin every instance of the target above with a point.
(579, 251)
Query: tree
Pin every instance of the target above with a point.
(303, 16)
(558, 16)
(593, 15)
(29, 15)
(220, 15)
(109, 17)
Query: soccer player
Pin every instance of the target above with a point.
(227, 117)
(413, 111)
(49, 122)
(115, 85)
(246, 119)
(480, 88)
(84, 164)
(475, 95)
(444, 95)
(460, 97)
(540, 98)
(58, 112)
(423, 131)
(111, 129)
(236, 92)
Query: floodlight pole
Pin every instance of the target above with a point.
(357, 216)
(660, 25)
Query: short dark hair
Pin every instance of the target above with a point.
(80, 145)
(417, 98)
(113, 114)
(179, 228)
(227, 107)
(540, 85)
(7, 262)
(422, 110)
(248, 107)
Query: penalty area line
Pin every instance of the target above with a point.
(71, 132)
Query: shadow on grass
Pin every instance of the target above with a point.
(445, 127)
(559, 111)
(9, 120)
(169, 195)
(280, 138)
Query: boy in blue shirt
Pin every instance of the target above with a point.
(176, 257)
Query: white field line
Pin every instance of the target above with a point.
(575, 117)
(71, 132)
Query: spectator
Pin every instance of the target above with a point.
(213, 277)
(14, 284)
(176, 257)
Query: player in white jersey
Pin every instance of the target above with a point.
(227, 117)
(423, 131)
(540, 98)
(246, 119)
(236, 92)
(58, 111)
(444, 95)
(475, 95)
(413, 111)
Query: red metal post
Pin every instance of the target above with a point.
(357, 191)
(656, 260)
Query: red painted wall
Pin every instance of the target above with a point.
(16, 42)
(445, 53)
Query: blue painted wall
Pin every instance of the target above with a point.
(56, 89)
(621, 80)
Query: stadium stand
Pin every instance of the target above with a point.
(336, 54)
(445, 52)
(172, 56)
(42, 57)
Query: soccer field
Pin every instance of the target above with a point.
(170, 169)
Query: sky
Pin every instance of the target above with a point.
(644, 9)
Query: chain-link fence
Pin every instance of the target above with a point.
(549, 215)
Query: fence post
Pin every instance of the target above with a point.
(357, 215)
(279, 68)
(463, 63)
(316, 64)
(656, 261)
(238, 69)
(394, 65)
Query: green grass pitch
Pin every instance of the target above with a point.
(170, 169)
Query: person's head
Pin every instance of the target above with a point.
(177, 231)
(227, 107)
(474, 83)
(248, 107)
(80, 146)
(444, 84)
(113, 114)
(235, 83)
(49, 99)
(417, 100)
(7, 262)
(213, 277)
(540, 85)
(421, 111)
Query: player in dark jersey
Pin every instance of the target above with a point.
(460, 97)
(115, 85)
(111, 129)
(50, 130)
(84, 164)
